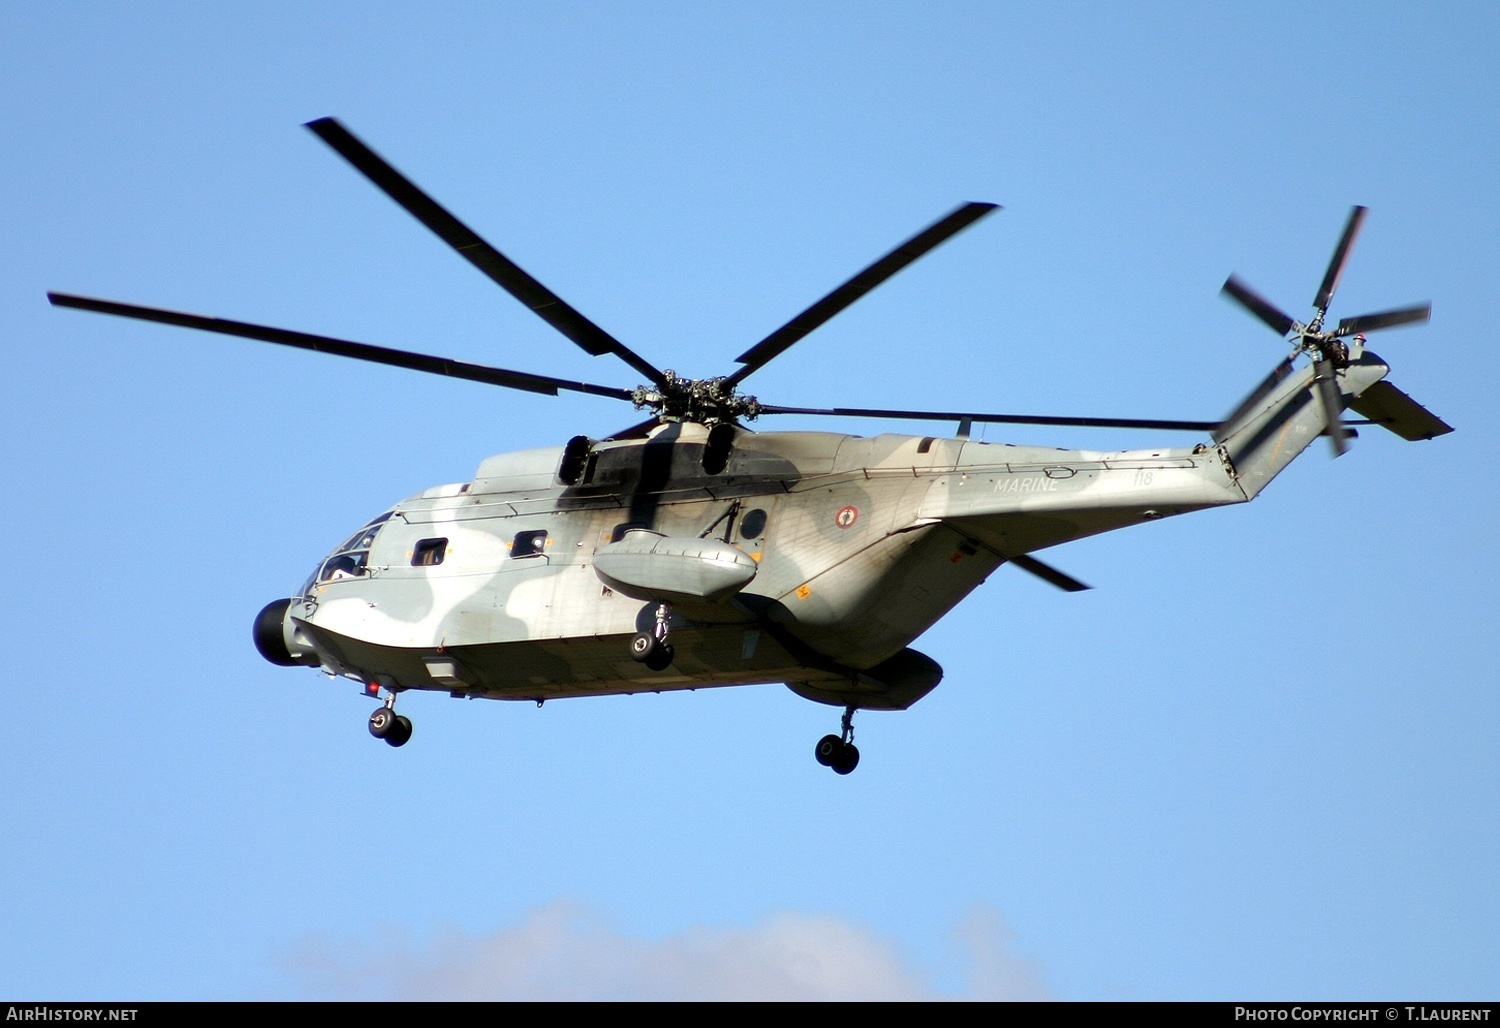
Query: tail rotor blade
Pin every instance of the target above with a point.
(1280, 322)
(1340, 256)
(1249, 403)
(1333, 408)
(1385, 319)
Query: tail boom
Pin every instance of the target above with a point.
(1263, 437)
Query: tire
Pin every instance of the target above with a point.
(400, 733)
(662, 658)
(828, 750)
(847, 761)
(383, 722)
(643, 646)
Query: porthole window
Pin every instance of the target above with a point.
(529, 544)
(753, 524)
(429, 552)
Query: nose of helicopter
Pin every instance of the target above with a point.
(275, 637)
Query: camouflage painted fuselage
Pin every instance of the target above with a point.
(860, 545)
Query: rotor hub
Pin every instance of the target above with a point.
(1323, 346)
(707, 401)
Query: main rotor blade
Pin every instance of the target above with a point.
(343, 348)
(1048, 573)
(1340, 256)
(1264, 309)
(1333, 409)
(638, 431)
(819, 313)
(546, 304)
(1385, 319)
(994, 419)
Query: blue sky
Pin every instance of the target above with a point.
(1257, 761)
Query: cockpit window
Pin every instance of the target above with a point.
(344, 565)
(362, 539)
(351, 557)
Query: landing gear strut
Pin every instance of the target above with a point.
(651, 648)
(839, 751)
(386, 724)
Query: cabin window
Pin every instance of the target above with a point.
(925, 445)
(529, 544)
(428, 553)
(753, 524)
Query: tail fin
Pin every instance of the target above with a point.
(1282, 416)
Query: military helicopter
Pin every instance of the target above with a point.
(689, 551)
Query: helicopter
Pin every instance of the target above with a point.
(689, 551)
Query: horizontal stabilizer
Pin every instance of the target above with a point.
(1385, 405)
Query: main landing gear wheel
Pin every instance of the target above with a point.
(642, 646)
(829, 746)
(839, 751)
(647, 649)
(382, 722)
(834, 752)
(386, 724)
(652, 648)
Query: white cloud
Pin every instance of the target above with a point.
(564, 951)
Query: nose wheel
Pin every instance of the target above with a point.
(839, 751)
(386, 724)
(651, 648)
